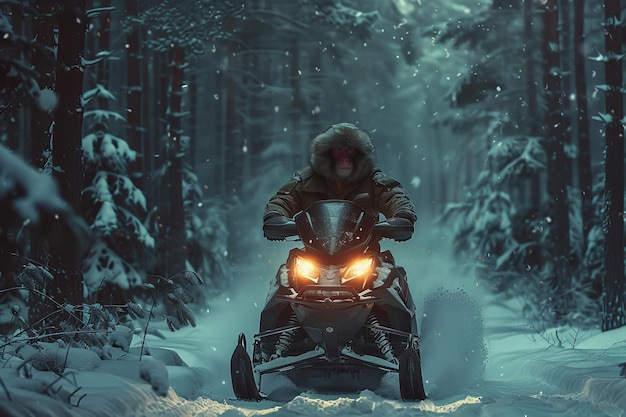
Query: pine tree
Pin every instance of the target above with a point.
(116, 209)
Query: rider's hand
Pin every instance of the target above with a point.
(401, 222)
(273, 223)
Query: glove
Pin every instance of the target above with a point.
(399, 229)
(405, 215)
(399, 222)
(279, 228)
(407, 228)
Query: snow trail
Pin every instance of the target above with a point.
(479, 357)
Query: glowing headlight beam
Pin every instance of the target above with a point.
(358, 269)
(307, 269)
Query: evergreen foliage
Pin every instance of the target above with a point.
(510, 243)
(114, 206)
(187, 24)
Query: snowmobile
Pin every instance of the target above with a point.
(339, 316)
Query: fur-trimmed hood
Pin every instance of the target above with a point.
(337, 136)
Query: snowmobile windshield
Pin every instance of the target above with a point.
(334, 226)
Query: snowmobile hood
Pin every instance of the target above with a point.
(330, 227)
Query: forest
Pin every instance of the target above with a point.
(140, 140)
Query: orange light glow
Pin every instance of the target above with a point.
(307, 269)
(358, 269)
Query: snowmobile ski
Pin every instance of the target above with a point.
(241, 373)
(410, 375)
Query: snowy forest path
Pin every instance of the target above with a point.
(526, 374)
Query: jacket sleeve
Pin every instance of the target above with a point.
(286, 201)
(391, 198)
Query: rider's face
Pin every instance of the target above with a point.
(343, 161)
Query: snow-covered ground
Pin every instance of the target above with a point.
(526, 374)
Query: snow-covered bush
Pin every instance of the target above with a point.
(99, 327)
(593, 259)
(207, 235)
(31, 209)
(481, 225)
(509, 246)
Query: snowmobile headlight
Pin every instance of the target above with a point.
(361, 268)
(306, 269)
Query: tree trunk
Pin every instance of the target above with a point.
(161, 76)
(43, 64)
(133, 94)
(13, 131)
(316, 100)
(176, 240)
(233, 136)
(233, 149)
(193, 119)
(67, 285)
(613, 313)
(163, 95)
(584, 146)
(211, 126)
(104, 44)
(296, 109)
(149, 96)
(222, 147)
(531, 94)
(555, 138)
(565, 9)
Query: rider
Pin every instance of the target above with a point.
(342, 167)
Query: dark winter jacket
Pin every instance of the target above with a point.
(367, 186)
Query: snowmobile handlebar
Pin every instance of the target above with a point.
(279, 228)
(397, 228)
